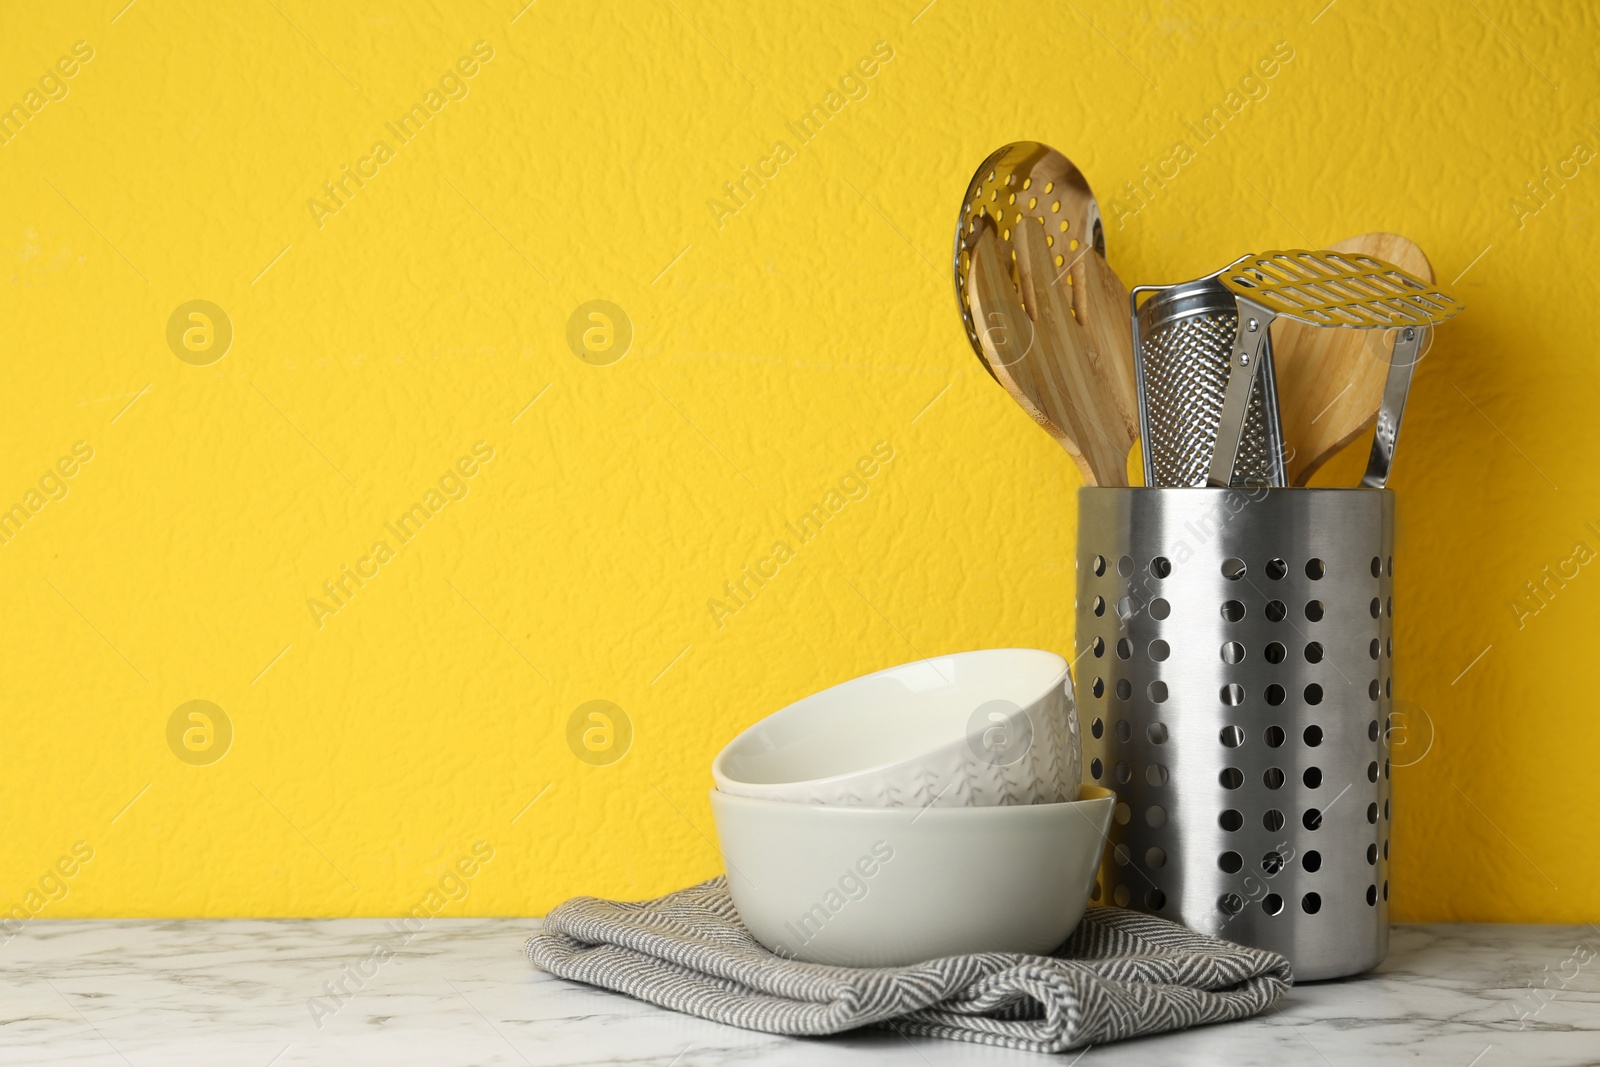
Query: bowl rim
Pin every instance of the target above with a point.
(720, 775)
(1089, 797)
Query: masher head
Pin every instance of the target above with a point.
(1337, 289)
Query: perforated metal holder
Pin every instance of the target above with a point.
(1234, 678)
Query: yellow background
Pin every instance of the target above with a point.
(773, 347)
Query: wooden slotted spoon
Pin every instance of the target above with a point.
(1331, 382)
(1029, 227)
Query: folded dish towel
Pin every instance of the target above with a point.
(1121, 974)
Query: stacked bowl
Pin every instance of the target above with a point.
(927, 810)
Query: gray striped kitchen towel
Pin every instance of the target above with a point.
(1120, 974)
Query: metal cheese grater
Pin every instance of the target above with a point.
(1181, 339)
(1203, 356)
(1234, 679)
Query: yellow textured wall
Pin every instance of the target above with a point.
(421, 320)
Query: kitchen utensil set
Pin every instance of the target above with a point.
(1235, 649)
(1193, 376)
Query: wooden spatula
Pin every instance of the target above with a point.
(1006, 342)
(1034, 210)
(1330, 382)
(1036, 350)
(1100, 302)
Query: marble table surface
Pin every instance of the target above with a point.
(254, 993)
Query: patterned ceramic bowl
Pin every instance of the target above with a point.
(975, 729)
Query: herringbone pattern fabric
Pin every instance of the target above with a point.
(1121, 974)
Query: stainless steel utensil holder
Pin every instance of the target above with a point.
(1234, 682)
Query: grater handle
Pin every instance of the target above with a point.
(1249, 347)
(1402, 362)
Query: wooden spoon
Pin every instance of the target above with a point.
(1035, 211)
(1330, 382)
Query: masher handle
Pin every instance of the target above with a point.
(1402, 362)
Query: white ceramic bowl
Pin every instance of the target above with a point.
(880, 887)
(975, 729)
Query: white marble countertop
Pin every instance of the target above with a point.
(241, 991)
